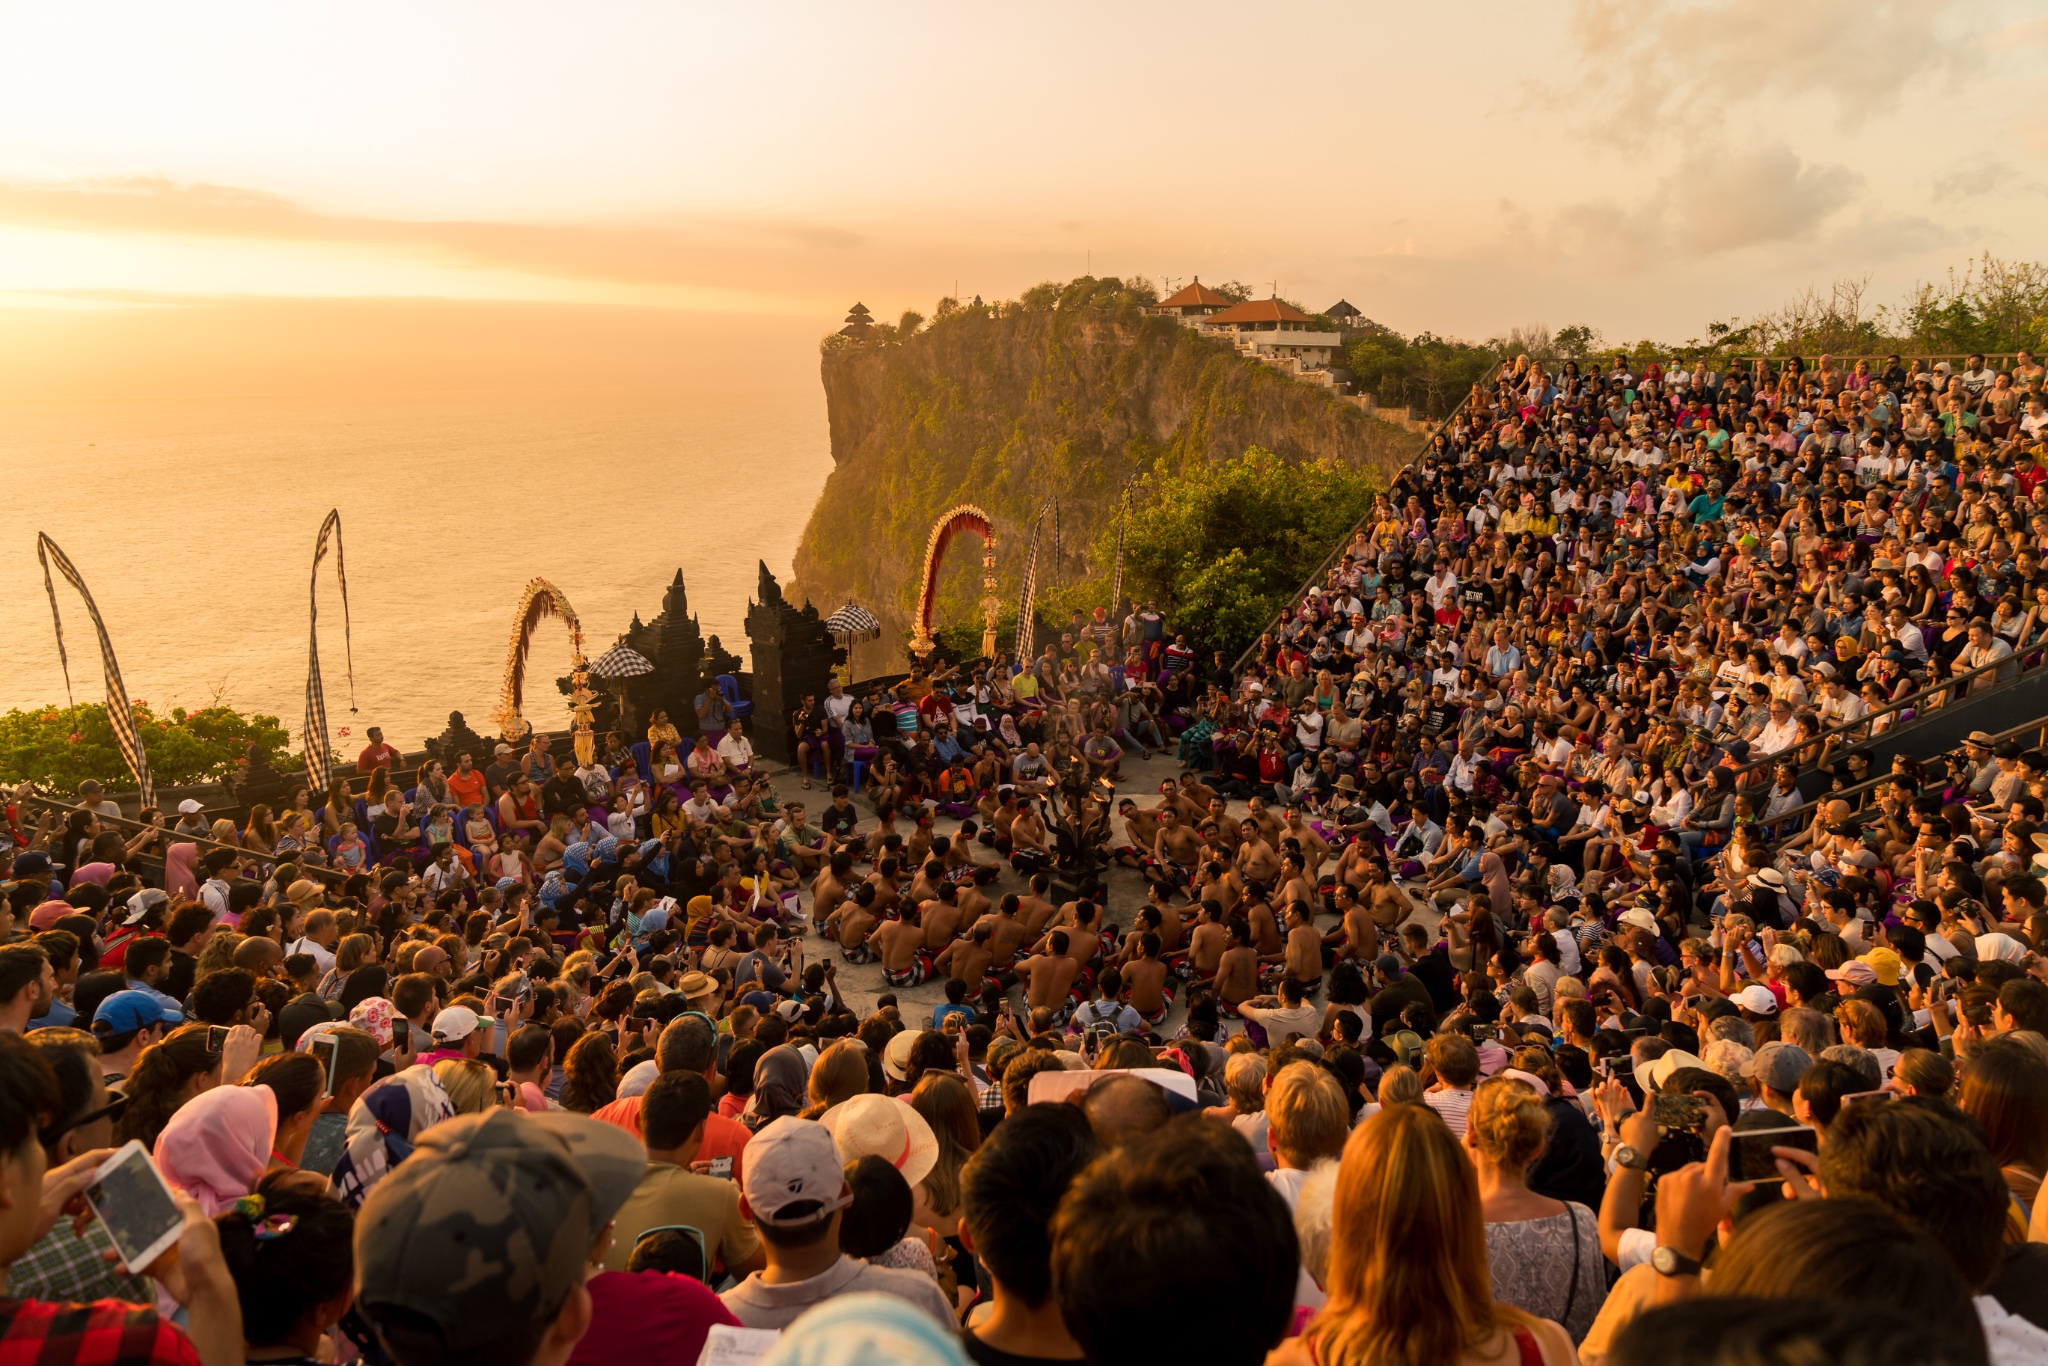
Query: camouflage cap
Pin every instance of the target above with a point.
(486, 1228)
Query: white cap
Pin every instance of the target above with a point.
(454, 1024)
(1757, 999)
(190, 807)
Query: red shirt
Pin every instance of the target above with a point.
(103, 1333)
(631, 1311)
(376, 756)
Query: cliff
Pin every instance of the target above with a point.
(1005, 406)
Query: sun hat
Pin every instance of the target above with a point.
(1651, 1075)
(896, 1055)
(877, 1126)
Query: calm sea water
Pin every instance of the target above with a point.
(193, 524)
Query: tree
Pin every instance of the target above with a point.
(60, 747)
(907, 326)
(1221, 547)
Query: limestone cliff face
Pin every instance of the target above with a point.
(1005, 409)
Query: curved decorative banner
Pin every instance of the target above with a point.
(965, 517)
(120, 715)
(540, 600)
(319, 760)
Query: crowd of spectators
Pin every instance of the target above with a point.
(1468, 994)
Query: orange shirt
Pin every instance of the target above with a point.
(722, 1137)
(468, 789)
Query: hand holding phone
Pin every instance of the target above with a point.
(132, 1202)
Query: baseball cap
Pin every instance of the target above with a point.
(502, 748)
(34, 861)
(1885, 963)
(1756, 998)
(794, 1173)
(454, 1024)
(143, 902)
(1854, 973)
(190, 807)
(48, 914)
(486, 1229)
(127, 1011)
(1780, 1066)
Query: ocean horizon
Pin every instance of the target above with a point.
(192, 521)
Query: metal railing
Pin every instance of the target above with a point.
(1958, 685)
(1802, 818)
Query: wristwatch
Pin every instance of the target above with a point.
(1669, 1261)
(1625, 1156)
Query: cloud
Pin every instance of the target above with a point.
(1709, 205)
(697, 252)
(1648, 65)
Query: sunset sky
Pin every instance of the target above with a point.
(227, 197)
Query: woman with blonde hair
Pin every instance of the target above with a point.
(840, 1074)
(947, 1105)
(1408, 1279)
(470, 1084)
(352, 952)
(1544, 1254)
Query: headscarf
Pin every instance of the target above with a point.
(552, 890)
(576, 859)
(865, 1330)
(608, 850)
(779, 1086)
(383, 1126)
(94, 873)
(1007, 728)
(180, 877)
(374, 1015)
(218, 1144)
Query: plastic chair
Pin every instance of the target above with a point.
(730, 686)
(703, 1245)
(643, 760)
(856, 769)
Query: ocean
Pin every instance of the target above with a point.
(193, 520)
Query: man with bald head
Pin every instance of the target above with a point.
(261, 956)
(1123, 1109)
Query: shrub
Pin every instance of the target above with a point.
(60, 747)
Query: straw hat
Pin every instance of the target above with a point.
(876, 1126)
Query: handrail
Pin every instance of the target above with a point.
(1322, 570)
(171, 837)
(1909, 701)
(1804, 814)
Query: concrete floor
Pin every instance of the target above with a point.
(1127, 889)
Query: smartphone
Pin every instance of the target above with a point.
(1677, 1112)
(131, 1201)
(324, 1047)
(722, 1166)
(1872, 1097)
(216, 1040)
(1753, 1159)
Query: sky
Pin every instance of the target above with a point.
(221, 197)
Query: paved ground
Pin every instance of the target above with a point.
(863, 983)
(1127, 890)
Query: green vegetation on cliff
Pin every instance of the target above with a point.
(1069, 391)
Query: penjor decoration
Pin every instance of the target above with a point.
(965, 517)
(540, 600)
(1123, 519)
(319, 759)
(120, 715)
(1026, 621)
